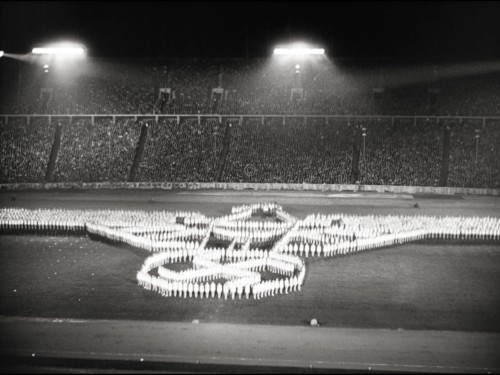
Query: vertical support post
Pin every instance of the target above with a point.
(156, 118)
(92, 119)
(284, 121)
(220, 119)
(29, 119)
(305, 120)
(199, 120)
(392, 121)
(178, 120)
(262, 120)
(415, 121)
(327, 120)
(241, 120)
(114, 120)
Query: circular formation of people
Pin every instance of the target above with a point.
(232, 256)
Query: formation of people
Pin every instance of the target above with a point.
(234, 270)
(63, 219)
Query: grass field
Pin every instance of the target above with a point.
(437, 286)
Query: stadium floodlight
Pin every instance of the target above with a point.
(59, 51)
(299, 51)
(1, 53)
(297, 66)
(46, 66)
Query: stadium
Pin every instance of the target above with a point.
(281, 206)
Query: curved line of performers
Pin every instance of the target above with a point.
(243, 284)
(231, 289)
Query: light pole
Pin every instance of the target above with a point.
(298, 81)
(19, 80)
(364, 141)
(109, 145)
(477, 136)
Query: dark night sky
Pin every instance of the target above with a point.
(427, 30)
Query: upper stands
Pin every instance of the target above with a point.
(252, 87)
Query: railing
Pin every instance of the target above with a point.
(240, 118)
(333, 188)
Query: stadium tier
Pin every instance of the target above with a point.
(318, 151)
(344, 87)
(272, 146)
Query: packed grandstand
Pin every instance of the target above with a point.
(244, 113)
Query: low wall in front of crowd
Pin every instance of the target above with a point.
(252, 186)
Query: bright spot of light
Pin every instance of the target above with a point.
(1, 53)
(299, 51)
(297, 66)
(46, 66)
(59, 51)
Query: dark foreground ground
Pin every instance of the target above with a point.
(145, 344)
(419, 286)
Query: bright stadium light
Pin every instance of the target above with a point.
(46, 66)
(59, 51)
(1, 53)
(299, 51)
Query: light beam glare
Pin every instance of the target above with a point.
(60, 51)
(299, 51)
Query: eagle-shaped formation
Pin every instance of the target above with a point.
(234, 256)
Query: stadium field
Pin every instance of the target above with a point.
(423, 286)
(431, 285)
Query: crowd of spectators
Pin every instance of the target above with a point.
(250, 87)
(474, 158)
(399, 153)
(403, 153)
(24, 149)
(290, 152)
(317, 151)
(98, 152)
(185, 152)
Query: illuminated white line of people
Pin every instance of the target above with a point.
(235, 271)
